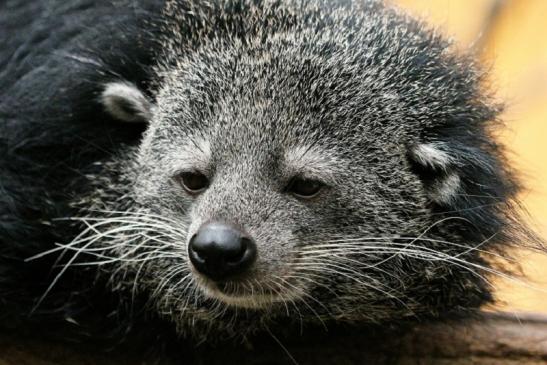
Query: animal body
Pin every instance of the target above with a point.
(223, 166)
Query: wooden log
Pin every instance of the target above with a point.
(493, 339)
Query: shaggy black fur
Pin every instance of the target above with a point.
(53, 130)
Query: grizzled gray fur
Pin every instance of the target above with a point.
(403, 207)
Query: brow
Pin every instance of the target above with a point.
(197, 154)
(313, 162)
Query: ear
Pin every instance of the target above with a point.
(125, 102)
(436, 169)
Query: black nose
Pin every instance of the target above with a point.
(219, 250)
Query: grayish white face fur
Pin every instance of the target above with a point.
(347, 106)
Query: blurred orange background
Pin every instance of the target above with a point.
(510, 37)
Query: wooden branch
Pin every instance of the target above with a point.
(495, 339)
(500, 339)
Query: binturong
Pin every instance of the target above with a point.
(224, 166)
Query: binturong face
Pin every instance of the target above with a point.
(311, 177)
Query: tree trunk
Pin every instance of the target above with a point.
(493, 339)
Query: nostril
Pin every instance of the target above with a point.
(248, 252)
(194, 253)
(194, 249)
(236, 255)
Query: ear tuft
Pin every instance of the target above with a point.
(445, 190)
(436, 168)
(431, 155)
(125, 102)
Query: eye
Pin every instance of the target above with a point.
(304, 188)
(194, 182)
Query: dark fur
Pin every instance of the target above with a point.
(53, 128)
(54, 136)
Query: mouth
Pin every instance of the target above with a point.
(245, 294)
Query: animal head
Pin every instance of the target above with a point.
(323, 161)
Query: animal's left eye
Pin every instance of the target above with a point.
(304, 188)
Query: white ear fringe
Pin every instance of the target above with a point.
(445, 191)
(125, 102)
(430, 155)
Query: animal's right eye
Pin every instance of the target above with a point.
(194, 182)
